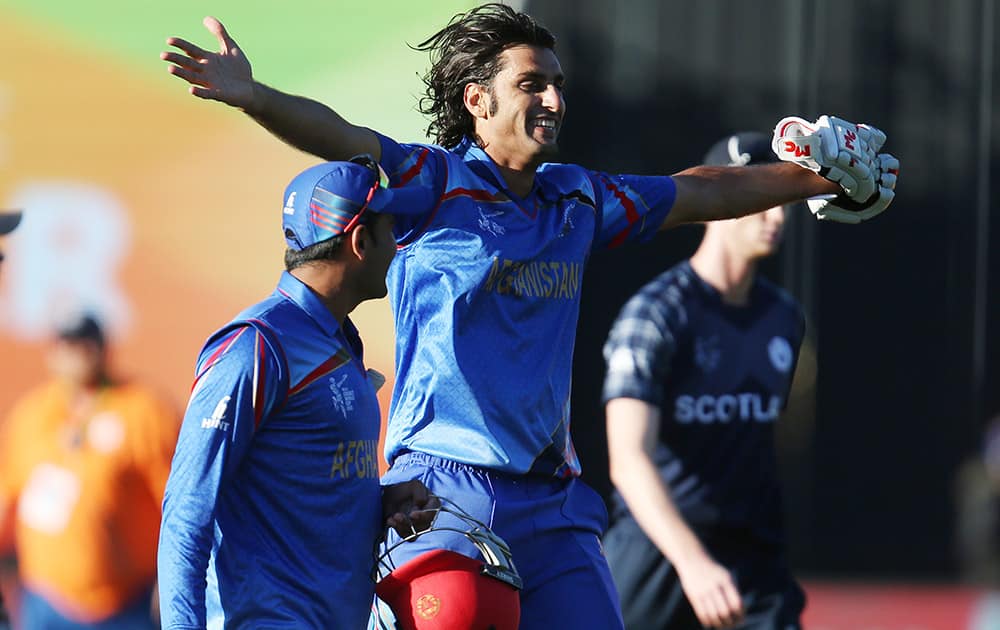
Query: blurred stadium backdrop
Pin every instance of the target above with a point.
(159, 212)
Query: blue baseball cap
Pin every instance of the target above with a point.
(329, 199)
(740, 149)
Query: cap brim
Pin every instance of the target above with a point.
(9, 220)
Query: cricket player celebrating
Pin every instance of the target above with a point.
(700, 362)
(486, 285)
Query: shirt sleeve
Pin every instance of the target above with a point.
(640, 347)
(235, 389)
(631, 207)
(417, 174)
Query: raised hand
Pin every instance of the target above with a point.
(224, 76)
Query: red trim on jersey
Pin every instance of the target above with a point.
(430, 215)
(336, 361)
(411, 172)
(476, 193)
(619, 238)
(261, 378)
(631, 214)
(221, 350)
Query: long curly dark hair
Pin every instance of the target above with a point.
(465, 51)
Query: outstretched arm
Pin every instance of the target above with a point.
(709, 193)
(632, 429)
(845, 178)
(226, 76)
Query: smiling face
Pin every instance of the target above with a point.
(518, 117)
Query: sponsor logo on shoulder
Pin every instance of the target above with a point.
(217, 421)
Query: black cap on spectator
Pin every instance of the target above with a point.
(81, 327)
(740, 149)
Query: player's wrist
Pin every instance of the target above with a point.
(256, 103)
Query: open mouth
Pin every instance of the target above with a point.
(548, 126)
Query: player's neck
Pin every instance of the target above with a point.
(518, 171)
(728, 273)
(330, 287)
(518, 181)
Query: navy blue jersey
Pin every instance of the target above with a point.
(273, 503)
(485, 290)
(720, 375)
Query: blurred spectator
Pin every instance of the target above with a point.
(8, 221)
(978, 511)
(83, 462)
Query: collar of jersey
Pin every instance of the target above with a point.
(712, 294)
(293, 289)
(480, 163)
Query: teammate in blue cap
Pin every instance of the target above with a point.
(486, 286)
(700, 363)
(273, 505)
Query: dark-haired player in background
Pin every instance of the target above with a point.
(700, 363)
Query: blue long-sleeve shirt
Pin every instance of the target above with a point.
(273, 502)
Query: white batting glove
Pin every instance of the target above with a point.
(843, 209)
(838, 150)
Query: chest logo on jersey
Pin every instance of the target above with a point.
(707, 353)
(534, 278)
(217, 421)
(487, 222)
(726, 408)
(355, 459)
(343, 396)
(779, 351)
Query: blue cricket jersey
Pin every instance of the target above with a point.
(720, 374)
(273, 503)
(485, 290)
